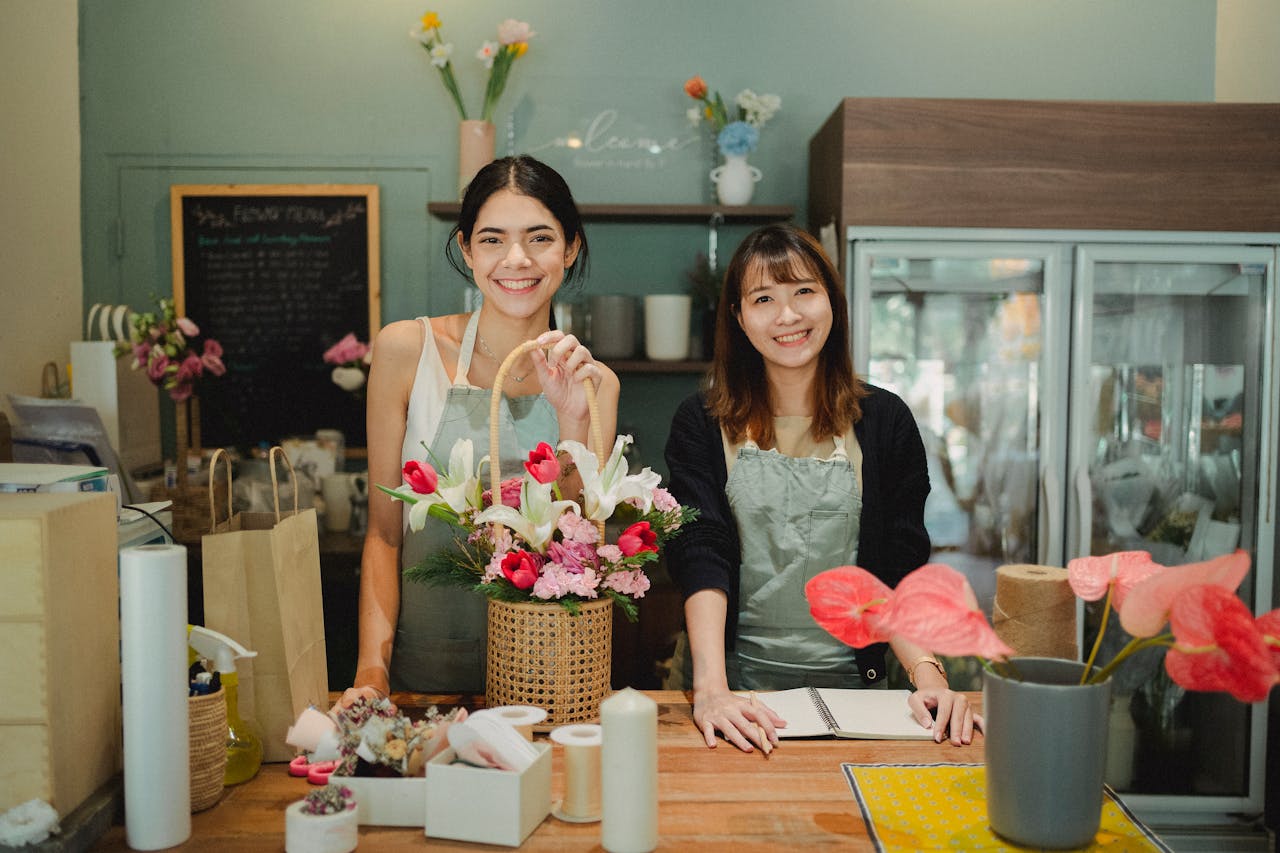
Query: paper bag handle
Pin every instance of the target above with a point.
(213, 468)
(275, 486)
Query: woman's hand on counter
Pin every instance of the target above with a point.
(742, 723)
(949, 713)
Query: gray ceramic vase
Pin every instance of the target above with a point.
(1046, 753)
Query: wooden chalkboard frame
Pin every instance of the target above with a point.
(365, 194)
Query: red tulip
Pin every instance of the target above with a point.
(521, 568)
(696, 87)
(543, 465)
(636, 538)
(420, 476)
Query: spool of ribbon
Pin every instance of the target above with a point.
(1035, 611)
(522, 718)
(581, 742)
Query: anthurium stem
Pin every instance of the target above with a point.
(1136, 644)
(1097, 643)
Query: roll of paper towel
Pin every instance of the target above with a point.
(153, 675)
(1035, 611)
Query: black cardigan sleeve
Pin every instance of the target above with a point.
(706, 554)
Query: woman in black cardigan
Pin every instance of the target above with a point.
(796, 467)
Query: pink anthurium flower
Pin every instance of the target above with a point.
(847, 602)
(1146, 608)
(1217, 645)
(934, 607)
(1091, 576)
(542, 464)
(1269, 627)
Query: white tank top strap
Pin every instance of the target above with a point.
(839, 452)
(465, 348)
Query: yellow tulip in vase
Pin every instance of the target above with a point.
(476, 137)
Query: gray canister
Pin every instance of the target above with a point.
(613, 326)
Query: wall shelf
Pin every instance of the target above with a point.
(656, 212)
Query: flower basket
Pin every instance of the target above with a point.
(543, 655)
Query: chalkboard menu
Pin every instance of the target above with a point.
(277, 274)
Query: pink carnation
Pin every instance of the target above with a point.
(574, 556)
(663, 501)
(556, 582)
(633, 582)
(609, 553)
(576, 528)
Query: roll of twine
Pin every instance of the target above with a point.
(1035, 611)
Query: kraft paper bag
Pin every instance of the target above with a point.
(262, 589)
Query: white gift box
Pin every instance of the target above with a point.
(387, 801)
(467, 803)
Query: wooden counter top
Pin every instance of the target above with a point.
(709, 799)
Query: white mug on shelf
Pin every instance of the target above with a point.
(337, 492)
(666, 326)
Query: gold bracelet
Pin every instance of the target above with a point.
(911, 671)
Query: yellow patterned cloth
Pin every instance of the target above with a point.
(912, 807)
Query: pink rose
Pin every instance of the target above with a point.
(187, 327)
(181, 391)
(212, 358)
(190, 369)
(512, 31)
(157, 366)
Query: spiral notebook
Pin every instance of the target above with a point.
(846, 713)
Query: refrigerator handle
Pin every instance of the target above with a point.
(1084, 514)
(1054, 521)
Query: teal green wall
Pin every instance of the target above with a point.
(292, 91)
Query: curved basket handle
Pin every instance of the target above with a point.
(275, 485)
(495, 401)
(213, 468)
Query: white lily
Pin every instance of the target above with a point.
(604, 488)
(535, 521)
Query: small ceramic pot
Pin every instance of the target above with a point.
(319, 833)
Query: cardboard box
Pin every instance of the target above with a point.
(487, 806)
(388, 801)
(60, 729)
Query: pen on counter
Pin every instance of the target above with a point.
(765, 746)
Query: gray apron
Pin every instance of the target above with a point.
(441, 632)
(797, 517)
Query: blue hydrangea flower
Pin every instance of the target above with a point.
(738, 137)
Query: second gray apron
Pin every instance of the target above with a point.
(441, 632)
(797, 517)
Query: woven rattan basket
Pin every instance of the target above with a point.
(208, 745)
(541, 654)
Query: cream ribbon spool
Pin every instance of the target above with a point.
(1035, 611)
(522, 718)
(581, 743)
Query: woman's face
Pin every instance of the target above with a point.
(787, 322)
(517, 254)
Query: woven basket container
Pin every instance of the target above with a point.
(542, 655)
(208, 745)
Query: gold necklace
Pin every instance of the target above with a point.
(484, 348)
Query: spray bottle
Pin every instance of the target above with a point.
(244, 746)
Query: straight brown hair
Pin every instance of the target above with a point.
(737, 392)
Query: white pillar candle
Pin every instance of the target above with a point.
(581, 743)
(629, 772)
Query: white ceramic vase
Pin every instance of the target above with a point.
(735, 180)
(666, 326)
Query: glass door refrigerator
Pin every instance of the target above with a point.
(1087, 392)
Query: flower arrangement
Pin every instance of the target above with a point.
(737, 132)
(528, 543)
(163, 344)
(351, 358)
(372, 735)
(331, 799)
(1214, 643)
(498, 57)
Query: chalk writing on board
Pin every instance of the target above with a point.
(277, 279)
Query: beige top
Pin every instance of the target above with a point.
(794, 439)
